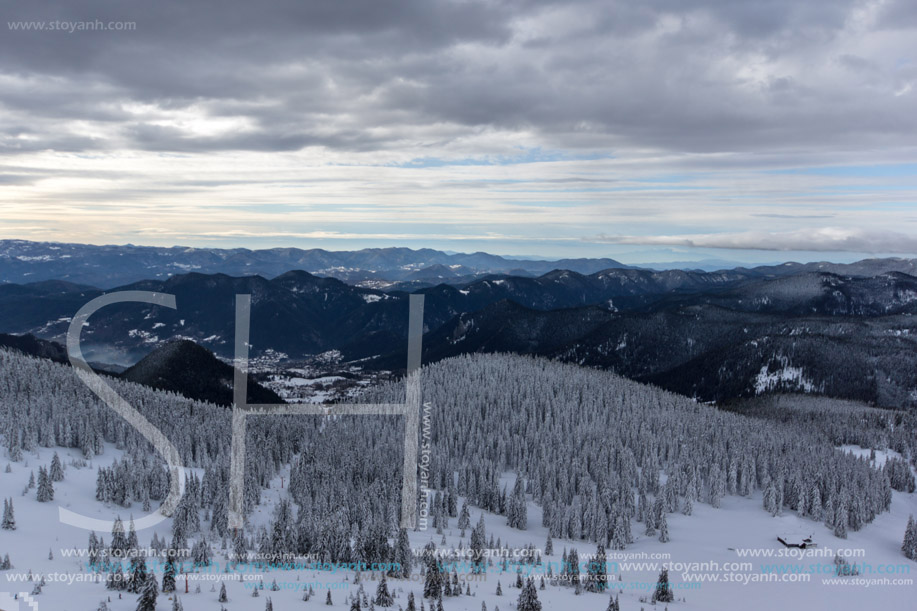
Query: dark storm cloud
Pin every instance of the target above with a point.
(684, 75)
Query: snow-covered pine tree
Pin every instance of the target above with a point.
(663, 592)
(478, 538)
(9, 518)
(137, 574)
(118, 540)
(148, 593)
(909, 546)
(116, 579)
(464, 521)
(840, 519)
(404, 556)
(168, 575)
(528, 597)
(663, 528)
(132, 542)
(770, 499)
(573, 568)
(57, 469)
(517, 512)
(383, 598)
(45, 493)
(598, 571)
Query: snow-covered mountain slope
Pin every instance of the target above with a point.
(600, 458)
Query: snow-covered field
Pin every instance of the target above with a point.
(703, 553)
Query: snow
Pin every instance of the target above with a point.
(787, 377)
(370, 298)
(145, 336)
(701, 545)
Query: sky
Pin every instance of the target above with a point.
(643, 130)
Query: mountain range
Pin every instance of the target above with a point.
(107, 267)
(110, 266)
(714, 336)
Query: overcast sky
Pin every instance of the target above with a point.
(645, 130)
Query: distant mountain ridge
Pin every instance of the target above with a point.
(704, 351)
(109, 266)
(300, 314)
(711, 335)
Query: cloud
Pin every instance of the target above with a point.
(828, 239)
(529, 119)
(420, 75)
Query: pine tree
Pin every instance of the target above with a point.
(573, 568)
(433, 580)
(477, 543)
(148, 594)
(403, 556)
(9, 518)
(464, 521)
(132, 542)
(328, 599)
(411, 605)
(223, 598)
(118, 541)
(383, 598)
(57, 470)
(93, 549)
(176, 604)
(663, 528)
(549, 546)
(663, 593)
(45, 491)
(650, 520)
(116, 580)
(168, 576)
(517, 512)
(840, 520)
(770, 499)
(613, 604)
(528, 597)
(909, 546)
(138, 575)
(597, 571)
